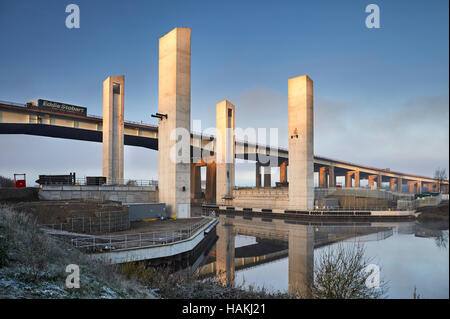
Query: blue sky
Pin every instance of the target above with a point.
(381, 95)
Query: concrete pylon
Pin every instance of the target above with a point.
(356, 175)
(225, 253)
(371, 180)
(301, 260)
(210, 191)
(196, 181)
(331, 177)
(392, 182)
(112, 156)
(301, 142)
(225, 149)
(258, 174)
(283, 172)
(400, 185)
(379, 181)
(323, 177)
(348, 179)
(174, 172)
(267, 176)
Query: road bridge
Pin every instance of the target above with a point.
(179, 178)
(16, 118)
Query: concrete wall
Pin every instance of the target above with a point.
(361, 192)
(125, 194)
(428, 201)
(146, 211)
(270, 198)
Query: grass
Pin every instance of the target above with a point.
(33, 265)
(179, 286)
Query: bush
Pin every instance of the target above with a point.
(3, 251)
(6, 182)
(340, 273)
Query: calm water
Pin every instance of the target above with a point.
(279, 255)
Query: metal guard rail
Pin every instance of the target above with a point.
(139, 240)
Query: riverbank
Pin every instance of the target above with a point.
(434, 214)
(33, 265)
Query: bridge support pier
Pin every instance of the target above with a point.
(258, 174)
(323, 177)
(415, 187)
(225, 253)
(225, 146)
(301, 260)
(379, 181)
(210, 191)
(301, 142)
(283, 172)
(331, 177)
(196, 181)
(113, 127)
(267, 176)
(400, 185)
(174, 171)
(392, 182)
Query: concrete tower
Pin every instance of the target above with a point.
(225, 149)
(174, 172)
(301, 260)
(301, 143)
(113, 96)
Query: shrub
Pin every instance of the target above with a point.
(6, 182)
(340, 273)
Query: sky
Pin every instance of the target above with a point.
(381, 96)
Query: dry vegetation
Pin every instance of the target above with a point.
(32, 265)
(180, 286)
(340, 273)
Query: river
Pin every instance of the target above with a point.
(280, 255)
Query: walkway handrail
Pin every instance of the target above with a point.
(138, 240)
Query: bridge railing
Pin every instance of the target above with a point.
(11, 103)
(98, 244)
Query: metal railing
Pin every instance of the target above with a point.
(121, 182)
(139, 240)
(104, 222)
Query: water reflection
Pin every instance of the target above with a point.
(269, 250)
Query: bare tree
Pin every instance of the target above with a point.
(341, 273)
(441, 175)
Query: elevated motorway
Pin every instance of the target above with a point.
(19, 119)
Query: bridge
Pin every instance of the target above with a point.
(16, 118)
(179, 178)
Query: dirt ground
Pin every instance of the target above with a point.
(55, 212)
(434, 213)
